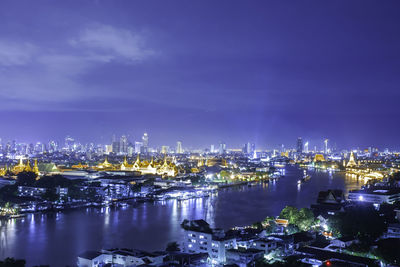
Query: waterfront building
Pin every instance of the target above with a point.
(352, 161)
(375, 195)
(104, 165)
(240, 245)
(319, 158)
(165, 168)
(200, 238)
(4, 170)
(20, 167)
(28, 191)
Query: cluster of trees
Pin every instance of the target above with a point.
(303, 219)
(11, 262)
(362, 222)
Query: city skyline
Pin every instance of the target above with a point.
(300, 145)
(196, 73)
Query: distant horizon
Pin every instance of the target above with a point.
(312, 144)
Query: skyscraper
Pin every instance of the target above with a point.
(222, 148)
(124, 144)
(138, 147)
(116, 147)
(306, 147)
(145, 141)
(179, 149)
(299, 145)
(326, 146)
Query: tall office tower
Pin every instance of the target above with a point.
(212, 148)
(116, 147)
(124, 144)
(299, 145)
(306, 147)
(69, 143)
(326, 146)
(179, 149)
(252, 148)
(145, 141)
(138, 147)
(222, 148)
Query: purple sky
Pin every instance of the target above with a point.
(201, 71)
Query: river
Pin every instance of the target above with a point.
(56, 239)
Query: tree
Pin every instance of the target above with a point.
(388, 250)
(11, 262)
(305, 219)
(26, 178)
(50, 195)
(173, 247)
(290, 213)
(362, 222)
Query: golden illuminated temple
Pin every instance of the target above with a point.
(20, 167)
(164, 167)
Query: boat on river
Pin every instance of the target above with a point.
(305, 178)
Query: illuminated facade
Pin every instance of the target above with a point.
(164, 168)
(3, 171)
(352, 162)
(319, 157)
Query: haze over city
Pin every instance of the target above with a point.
(201, 72)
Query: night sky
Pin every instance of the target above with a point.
(201, 71)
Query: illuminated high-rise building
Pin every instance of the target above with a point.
(138, 147)
(124, 144)
(212, 149)
(299, 147)
(179, 149)
(116, 147)
(145, 141)
(306, 147)
(222, 148)
(326, 146)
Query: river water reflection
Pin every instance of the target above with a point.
(56, 239)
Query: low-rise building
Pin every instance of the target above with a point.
(120, 257)
(375, 195)
(30, 191)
